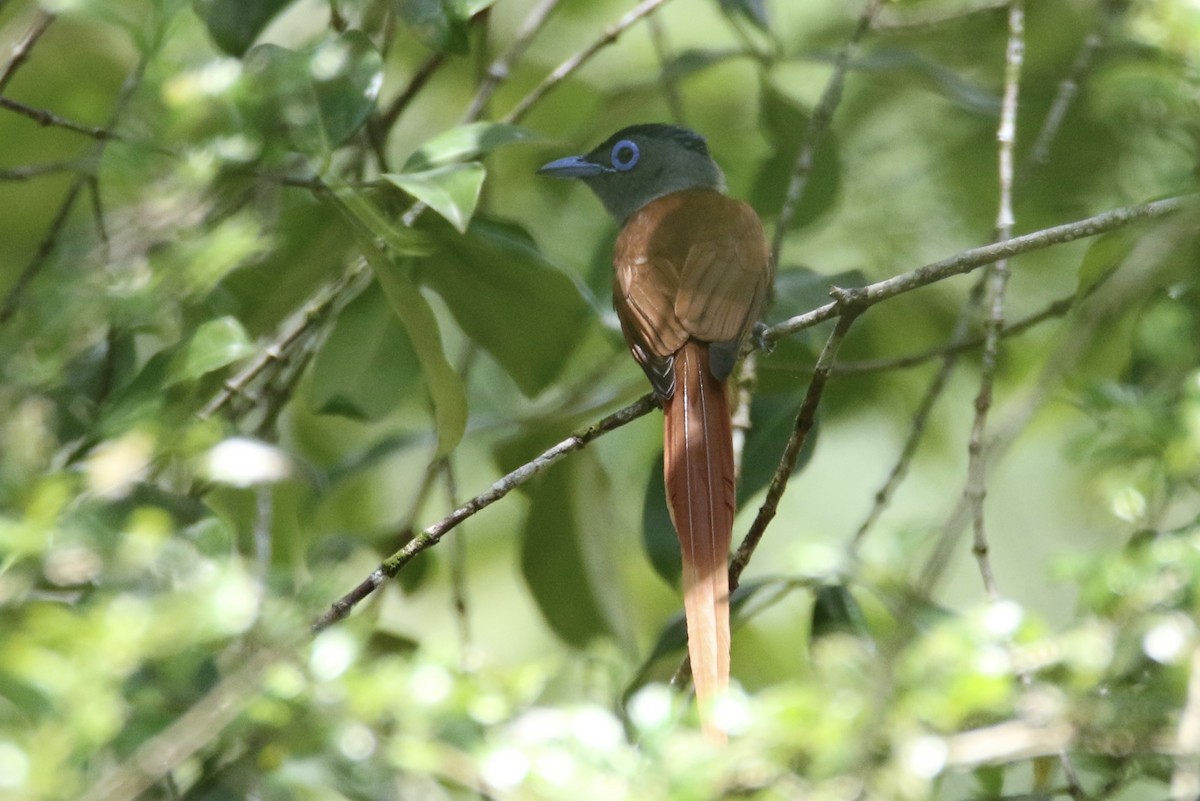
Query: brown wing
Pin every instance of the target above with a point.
(689, 264)
(728, 270)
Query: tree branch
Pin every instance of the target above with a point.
(818, 126)
(21, 51)
(434, 533)
(568, 67)
(969, 260)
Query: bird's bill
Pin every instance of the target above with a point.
(572, 167)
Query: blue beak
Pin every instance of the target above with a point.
(572, 167)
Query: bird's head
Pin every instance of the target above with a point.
(640, 163)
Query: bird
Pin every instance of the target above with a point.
(692, 271)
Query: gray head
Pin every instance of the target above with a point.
(640, 163)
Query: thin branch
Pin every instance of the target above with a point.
(37, 170)
(420, 78)
(850, 306)
(49, 119)
(499, 69)
(21, 51)
(920, 418)
(997, 282)
(294, 329)
(818, 126)
(957, 344)
(41, 256)
(969, 260)
(1039, 154)
(568, 67)
(434, 533)
(670, 83)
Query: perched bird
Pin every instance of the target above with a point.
(692, 269)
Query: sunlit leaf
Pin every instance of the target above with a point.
(215, 344)
(347, 73)
(452, 191)
(465, 143)
(439, 24)
(317, 97)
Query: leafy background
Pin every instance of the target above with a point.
(281, 290)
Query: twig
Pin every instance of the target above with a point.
(40, 257)
(37, 170)
(920, 418)
(426, 71)
(565, 69)
(21, 51)
(1067, 88)
(970, 260)
(997, 282)
(50, 119)
(291, 332)
(818, 126)
(850, 306)
(957, 344)
(499, 69)
(670, 83)
(434, 533)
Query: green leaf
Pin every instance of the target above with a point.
(347, 73)
(452, 191)
(659, 540)
(367, 218)
(215, 344)
(367, 364)
(438, 24)
(835, 611)
(567, 556)
(317, 97)
(773, 418)
(510, 300)
(235, 24)
(446, 390)
(466, 143)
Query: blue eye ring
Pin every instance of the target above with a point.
(625, 155)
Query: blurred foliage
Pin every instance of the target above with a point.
(310, 296)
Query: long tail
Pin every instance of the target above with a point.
(698, 468)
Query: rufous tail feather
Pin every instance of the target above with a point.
(698, 468)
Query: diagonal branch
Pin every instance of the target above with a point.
(21, 50)
(996, 284)
(969, 260)
(434, 533)
(818, 126)
(568, 67)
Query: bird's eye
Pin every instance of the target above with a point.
(625, 155)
